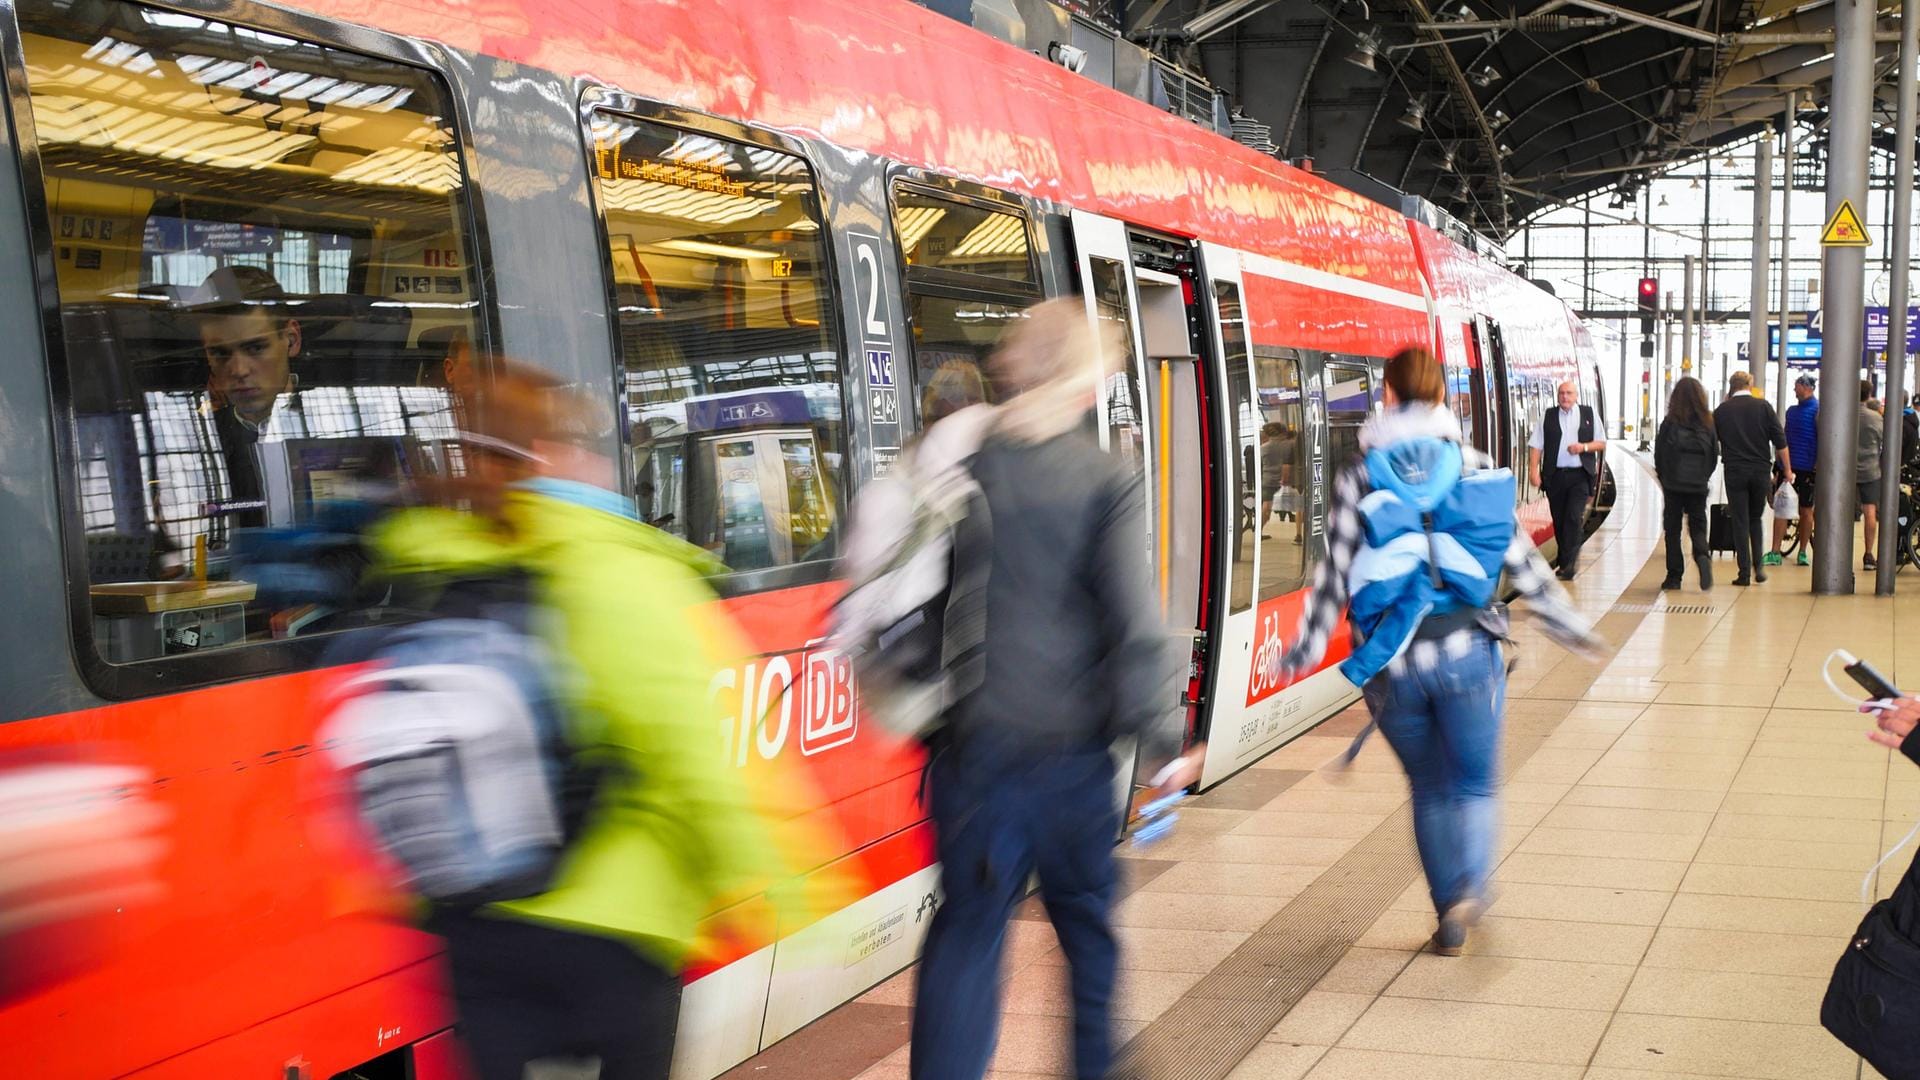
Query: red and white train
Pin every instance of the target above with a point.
(770, 231)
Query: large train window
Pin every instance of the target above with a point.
(1350, 398)
(719, 270)
(263, 267)
(1284, 471)
(969, 273)
(1250, 512)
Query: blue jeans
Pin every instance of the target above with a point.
(1444, 725)
(997, 823)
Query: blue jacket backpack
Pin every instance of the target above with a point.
(1436, 541)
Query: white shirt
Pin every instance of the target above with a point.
(1569, 435)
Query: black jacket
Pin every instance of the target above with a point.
(1077, 654)
(1749, 431)
(1684, 456)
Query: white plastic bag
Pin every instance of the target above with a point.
(1786, 502)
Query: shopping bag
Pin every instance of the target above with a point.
(1786, 502)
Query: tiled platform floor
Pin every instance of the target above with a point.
(1681, 863)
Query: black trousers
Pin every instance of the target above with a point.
(525, 992)
(1693, 505)
(1748, 490)
(1568, 493)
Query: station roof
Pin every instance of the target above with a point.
(1493, 112)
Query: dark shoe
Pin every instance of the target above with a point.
(1564, 575)
(1670, 585)
(1870, 564)
(1451, 938)
(1760, 576)
(1743, 581)
(1706, 576)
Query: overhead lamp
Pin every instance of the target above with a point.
(1505, 150)
(1415, 116)
(1728, 162)
(1446, 157)
(721, 251)
(1695, 185)
(1497, 118)
(1462, 191)
(1663, 199)
(1486, 76)
(1365, 48)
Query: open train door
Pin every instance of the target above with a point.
(1125, 404)
(1229, 613)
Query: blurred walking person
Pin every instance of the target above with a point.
(1420, 532)
(1685, 452)
(1868, 444)
(582, 956)
(1074, 656)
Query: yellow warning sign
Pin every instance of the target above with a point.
(1845, 229)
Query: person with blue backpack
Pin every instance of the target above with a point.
(1421, 531)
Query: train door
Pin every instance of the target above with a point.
(1494, 384)
(1479, 400)
(1151, 414)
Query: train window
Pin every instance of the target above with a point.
(262, 258)
(969, 273)
(964, 237)
(1126, 413)
(1284, 469)
(720, 274)
(1246, 441)
(1350, 397)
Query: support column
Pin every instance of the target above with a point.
(1780, 397)
(1843, 300)
(1620, 407)
(1687, 353)
(1666, 346)
(1757, 347)
(1901, 242)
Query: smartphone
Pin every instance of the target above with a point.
(1876, 685)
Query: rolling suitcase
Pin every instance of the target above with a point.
(1719, 528)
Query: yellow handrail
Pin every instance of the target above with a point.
(1166, 485)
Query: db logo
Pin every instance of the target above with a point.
(765, 698)
(1268, 649)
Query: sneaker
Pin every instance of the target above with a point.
(1772, 558)
(1802, 559)
(1870, 564)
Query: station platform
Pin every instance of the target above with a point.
(1687, 823)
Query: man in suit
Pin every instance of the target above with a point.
(1569, 472)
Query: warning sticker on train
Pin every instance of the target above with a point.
(1844, 228)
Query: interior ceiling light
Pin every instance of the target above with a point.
(1505, 150)
(1000, 234)
(1728, 162)
(1497, 118)
(1415, 115)
(723, 251)
(1365, 47)
(1446, 157)
(913, 223)
(1486, 76)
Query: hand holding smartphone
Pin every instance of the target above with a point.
(1878, 687)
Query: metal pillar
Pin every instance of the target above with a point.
(1843, 299)
(1706, 273)
(1762, 258)
(1901, 244)
(1781, 399)
(1621, 408)
(1687, 353)
(1666, 348)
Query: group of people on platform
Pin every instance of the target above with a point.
(1757, 453)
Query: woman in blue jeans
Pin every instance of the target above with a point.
(1427, 626)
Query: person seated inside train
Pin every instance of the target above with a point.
(250, 342)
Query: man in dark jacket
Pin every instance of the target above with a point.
(1750, 439)
(1076, 657)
